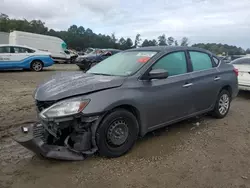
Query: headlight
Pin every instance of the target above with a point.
(65, 108)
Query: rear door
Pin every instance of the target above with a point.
(18, 54)
(5, 57)
(171, 98)
(206, 80)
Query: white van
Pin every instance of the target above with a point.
(54, 45)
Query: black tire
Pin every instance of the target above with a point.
(105, 146)
(216, 112)
(36, 66)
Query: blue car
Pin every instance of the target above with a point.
(22, 57)
(87, 61)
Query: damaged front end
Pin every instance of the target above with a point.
(70, 137)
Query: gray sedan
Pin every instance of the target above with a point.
(125, 96)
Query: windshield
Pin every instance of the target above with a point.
(122, 64)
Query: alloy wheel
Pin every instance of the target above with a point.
(224, 104)
(37, 66)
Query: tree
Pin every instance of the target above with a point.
(77, 37)
(37, 26)
(145, 43)
(248, 51)
(4, 23)
(122, 43)
(129, 43)
(162, 40)
(170, 41)
(184, 41)
(137, 40)
(153, 42)
(81, 30)
(221, 49)
(113, 38)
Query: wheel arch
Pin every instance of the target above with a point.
(228, 88)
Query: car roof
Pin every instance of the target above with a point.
(241, 58)
(169, 48)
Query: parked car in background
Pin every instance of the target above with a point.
(226, 59)
(89, 60)
(54, 45)
(126, 96)
(17, 56)
(71, 56)
(243, 66)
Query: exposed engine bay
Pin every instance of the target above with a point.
(74, 133)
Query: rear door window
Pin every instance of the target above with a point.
(4, 49)
(175, 63)
(22, 50)
(200, 61)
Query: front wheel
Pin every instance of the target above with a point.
(222, 104)
(117, 133)
(36, 66)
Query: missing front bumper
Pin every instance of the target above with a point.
(27, 137)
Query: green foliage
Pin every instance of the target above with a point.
(137, 40)
(170, 41)
(149, 43)
(222, 49)
(80, 38)
(162, 40)
(184, 41)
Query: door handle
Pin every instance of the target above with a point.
(216, 78)
(187, 85)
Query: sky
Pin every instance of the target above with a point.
(219, 21)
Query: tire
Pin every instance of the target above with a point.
(36, 66)
(111, 143)
(218, 112)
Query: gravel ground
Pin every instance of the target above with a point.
(200, 152)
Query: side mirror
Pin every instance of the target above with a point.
(158, 74)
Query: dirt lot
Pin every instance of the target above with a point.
(201, 152)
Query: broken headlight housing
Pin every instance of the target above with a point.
(65, 108)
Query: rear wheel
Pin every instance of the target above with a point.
(222, 104)
(117, 133)
(36, 66)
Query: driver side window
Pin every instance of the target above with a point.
(175, 63)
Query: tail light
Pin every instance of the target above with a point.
(236, 71)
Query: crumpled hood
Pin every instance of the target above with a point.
(67, 84)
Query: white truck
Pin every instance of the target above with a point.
(54, 45)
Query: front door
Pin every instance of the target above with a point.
(168, 99)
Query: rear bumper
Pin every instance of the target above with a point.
(38, 146)
(48, 64)
(244, 87)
